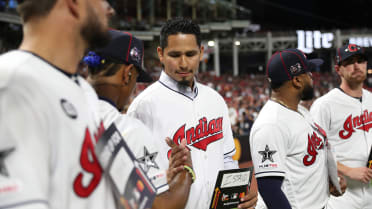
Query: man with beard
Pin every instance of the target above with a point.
(113, 72)
(346, 114)
(288, 149)
(48, 122)
(177, 106)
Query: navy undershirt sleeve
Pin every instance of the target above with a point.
(271, 192)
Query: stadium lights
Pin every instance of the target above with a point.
(210, 43)
(237, 43)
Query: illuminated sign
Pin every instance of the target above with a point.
(361, 41)
(308, 40)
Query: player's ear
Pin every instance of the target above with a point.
(73, 7)
(201, 52)
(297, 82)
(127, 74)
(160, 54)
(337, 69)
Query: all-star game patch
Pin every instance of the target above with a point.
(267, 155)
(148, 160)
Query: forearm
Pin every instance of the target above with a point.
(343, 169)
(272, 194)
(177, 195)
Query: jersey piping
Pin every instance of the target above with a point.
(25, 203)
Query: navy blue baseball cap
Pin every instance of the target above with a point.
(284, 65)
(124, 48)
(347, 51)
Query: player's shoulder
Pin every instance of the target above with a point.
(329, 97)
(149, 92)
(270, 114)
(204, 89)
(367, 93)
(107, 112)
(126, 121)
(149, 96)
(10, 63)
(132, 128)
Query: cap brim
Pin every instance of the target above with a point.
(318, 62)
(144, 77)
(315, 64)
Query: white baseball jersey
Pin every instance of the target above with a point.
(48, 131)
(200, 116)
(139, 139)
(348, 123)
(289, 144)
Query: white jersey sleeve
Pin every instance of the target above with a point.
(321, 113)
(229, 145)
(145, 148)
(268, 151)
(141, 110)
(24, 153)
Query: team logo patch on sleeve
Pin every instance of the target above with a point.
(267, 154)
(148, 160)
(69, 109)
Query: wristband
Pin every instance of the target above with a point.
(191, 172)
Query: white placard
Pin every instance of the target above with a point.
(235, 179)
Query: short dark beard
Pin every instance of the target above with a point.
(307, 93)
(93, 32)
(185, 83)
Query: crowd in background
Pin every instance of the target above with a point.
(246, 94)
(8, 5)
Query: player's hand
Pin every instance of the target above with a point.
(362, 174)
(249, 201)
(343, 184)
(180, 156)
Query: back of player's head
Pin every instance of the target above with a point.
(123, 48)
(285, 64)
(34, 8)
(176, 26)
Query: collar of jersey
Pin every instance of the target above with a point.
(172, 84)
(71, 75)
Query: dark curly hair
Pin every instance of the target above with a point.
(179, 25)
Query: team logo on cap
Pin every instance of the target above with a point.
(135, 54)
(352, 48)
(69, 109)
(296, 68)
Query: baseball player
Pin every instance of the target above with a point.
(48, 122)
(346, 115)
(114, 70)
(288, 149)
(177, 106)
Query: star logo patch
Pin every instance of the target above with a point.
(3, 155)
(267, 154)
(148, 160)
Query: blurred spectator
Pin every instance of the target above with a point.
(12, 5)
(2, 5)
(245, 95)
